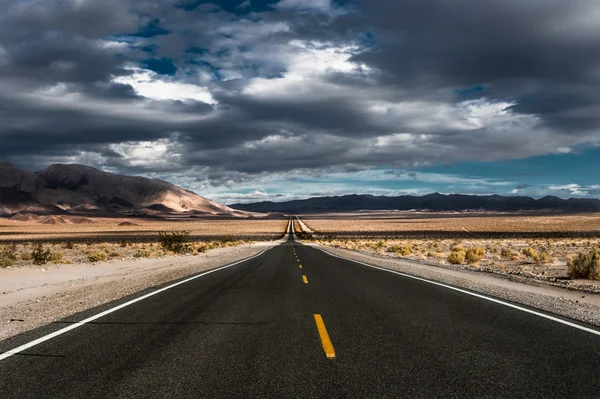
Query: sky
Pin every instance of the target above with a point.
(248, 100)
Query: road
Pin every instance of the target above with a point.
(295, 322)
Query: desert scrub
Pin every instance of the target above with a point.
(538, 257)
(474, 255)
(507, 253)
(40, 255)
(8, 256)
(98, 256)
(56, 257)
(585, 265)
(177, 241)
(142, 253)
(401, 249)
(457, 257)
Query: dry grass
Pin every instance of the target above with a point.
(30, 243)
(521, 244)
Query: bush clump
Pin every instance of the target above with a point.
(98, 256)
(177, 241)
(457, 256)
(532, 253)
(538, 257)
(401, 249)
(585, 265)
(8, 255)
(474, 255)
(142, 253)
(56, 257)
(507, 253)
(40, 255)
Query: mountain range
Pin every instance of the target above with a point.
(432, 202)
(83, 190)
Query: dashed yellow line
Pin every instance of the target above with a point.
(300, 266)
(304, 279)
(325, 340)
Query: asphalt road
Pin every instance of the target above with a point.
(250, 331)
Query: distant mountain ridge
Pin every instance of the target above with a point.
(80, 189)
(432, 202)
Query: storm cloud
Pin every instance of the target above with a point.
(236, 91)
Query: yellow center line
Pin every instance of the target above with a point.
(325, 340)
(300, 266)
(304, 279)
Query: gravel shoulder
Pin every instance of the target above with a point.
(34, 296)
(581, 306)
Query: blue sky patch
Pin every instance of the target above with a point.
(162, 66)
(152, 29)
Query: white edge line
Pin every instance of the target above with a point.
(78, 324)
(487, 298)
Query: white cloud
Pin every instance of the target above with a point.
(151, 85)
(307, 64)
(159, 154)
(576, 189)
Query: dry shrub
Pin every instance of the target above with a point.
(474, 255)
(98, 256)
(457, 257)
(7, 257)
(401, 249)
(585, 265)
(542, 257)
(40, 255)
(530, 252)
(142, 253)
(538, 257)
(56, 257)
(26, 256)
(507, 253)
(114, 254)
(176, 241)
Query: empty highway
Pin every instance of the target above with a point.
(295, 322)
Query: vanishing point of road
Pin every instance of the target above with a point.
(295, 322)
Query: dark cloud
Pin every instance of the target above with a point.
(237, 90)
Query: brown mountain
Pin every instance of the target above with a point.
(79, 189)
